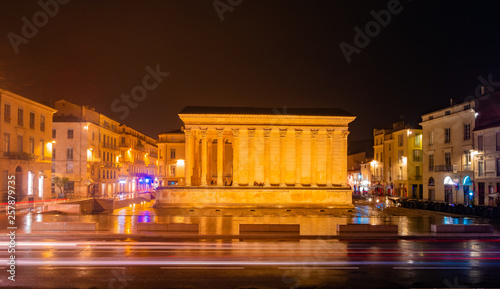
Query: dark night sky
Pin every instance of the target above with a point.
(264, 54)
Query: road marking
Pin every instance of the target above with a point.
(432, 268)
(319, 268)
(202, 268)
(81, 268)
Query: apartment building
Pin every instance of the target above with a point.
(486, 153)
(25, 131)
(448, 146)
(397, 164)
(98, 155)
(139, 161)
(171, 148)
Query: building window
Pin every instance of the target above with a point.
(53, 133)
(53, 168)
(20, 117)
(6, 142)
(40, 187)
(480, 143)
(467, 131)
(417, 172)
(93, 136)
(20, 141)
(30, 182)
(431, 138)
(447, 158)
(70, 134)
(431, 162)
(390, 162)
(480, 168)
(467, 107)
(69, 168)
(42, 148)
(447, 135)
(390, 147)
(498, 167)
(53, 153)
(447, 112)
(69, 154)
(400, 156)
(418, 137)
(172, 170)
(400, 140)
(107, 174)
(498, 141)
(32, 145)
(6, 113)
(417, 155)
(42, 123)
(172, 153)
(32, 120)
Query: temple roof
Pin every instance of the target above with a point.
(265, 111)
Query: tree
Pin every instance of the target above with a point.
(60, 182)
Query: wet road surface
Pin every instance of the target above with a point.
(255, 264)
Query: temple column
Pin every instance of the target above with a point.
(283, 157)
(204, 157)
(343, 173)
(196, 165)
(314, 158)
(236, 156)
(336, 158)
(220, 156)
(251, 157)
(267, 157)
(189, 147)
(298, 157)
(329, 134)
(210, 148)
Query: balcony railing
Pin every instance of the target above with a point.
(467, 168)
(445, 168)
(109, 146)
(399, 178)
(20, 156)
(109, 165)
(140, 148)
(418, 177)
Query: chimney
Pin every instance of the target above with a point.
(451, 101)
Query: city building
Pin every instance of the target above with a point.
(359, 154)
(447, 146)
(486, 154)
(397, 164)
(171, 158)
(252, 156)
(26, 152)
(98, 155)
(138, 160)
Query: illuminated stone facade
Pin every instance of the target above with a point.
(26, 151)
(298, 158)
